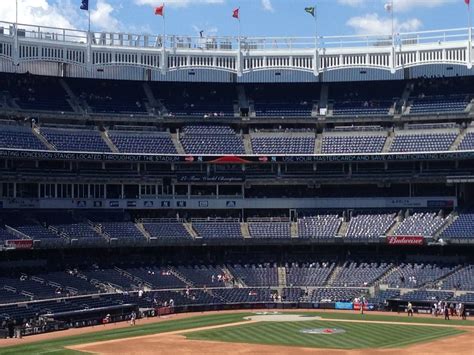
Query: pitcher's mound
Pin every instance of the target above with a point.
(323, 331)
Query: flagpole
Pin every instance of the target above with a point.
(164, 30)
(240, 29)
(164, 64)
(239, 38)
(316, 44)
(16, 55)
(236, 15)
(315, 27)
(393, 26)
(89, 38)
(469, 31)
(240, 34)
(469, 21)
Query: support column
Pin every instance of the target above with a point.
(316, 62)
(239, 60)
(89, 51)
(164, 60)
(469, 51)
(393, 61)
(16, 49)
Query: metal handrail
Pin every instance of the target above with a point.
(225, 43)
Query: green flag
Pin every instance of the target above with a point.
(309, 10)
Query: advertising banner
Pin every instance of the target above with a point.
(19, 244)
(405, 240)
(343, 305)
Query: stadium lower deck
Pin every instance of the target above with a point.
(78, 287)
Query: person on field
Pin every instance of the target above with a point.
(362, 303)
(452, 309)
(410, 309)
(446, 312)
(463, 311)
(133, 318)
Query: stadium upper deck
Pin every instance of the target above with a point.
(32, 47)
(230, 146)
(318, 104)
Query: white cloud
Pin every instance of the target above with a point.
(267, 5)
(177, 3)
(405, 5)
(61, 14)
(372, 24)
(352, 2)
(102, 17)
(206, 29)
(401, 5)
(39, 12)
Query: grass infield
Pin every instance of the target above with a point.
(357, 334)
(56, 346)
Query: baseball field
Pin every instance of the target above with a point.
(260, 333)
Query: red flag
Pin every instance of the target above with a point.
(235, 13)
(160, 10)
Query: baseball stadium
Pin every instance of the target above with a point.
(171, 194)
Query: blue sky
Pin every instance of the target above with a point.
(258, 17)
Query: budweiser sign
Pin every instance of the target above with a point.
(405, 240)
(19, 244)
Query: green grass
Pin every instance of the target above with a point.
(357, 336)
(357, 330)
(390, 318)
(56, 346)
